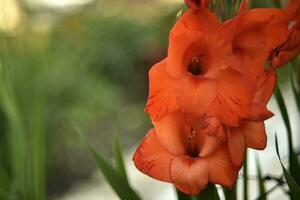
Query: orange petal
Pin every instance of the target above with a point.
(209, 145)
(290, 48)
(221, 109)
(213, 127)
(257, 112)
(232, 85)
(293, 8)
(222, 171)
(255, 134)
(170, 133)
(265, 87)
(189, 175)
(285, 56)
(232, 99)
(189, 29)
(271, 23)
(202, 20)
(244, 6)
(162, 87)
(153, 159)
(196, 4)
(196, 94)
(236, 145)
(260, 31)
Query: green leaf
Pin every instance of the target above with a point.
(245, 177)
(210, 193)
(119, 157)
(294, 88)
(113, 177)
(277, 3)
(230, 194)
(182, 196)
(261, 187)
(294, 166)
(294, 188)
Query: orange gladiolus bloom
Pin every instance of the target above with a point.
(215, 70)
(207, 99)
(177, 152)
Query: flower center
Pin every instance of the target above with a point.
(193, 150)
(195, 66)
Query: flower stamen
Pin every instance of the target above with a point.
(193, 143)
(195, 66)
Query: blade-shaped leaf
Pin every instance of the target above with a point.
(294, 88)
(277, 3)
(261, 186)
(230, 194)
(210, 193)
(245, 177)
(119, 157)
(113, 177)
(294, 188)
(294, 166)
(182, 196)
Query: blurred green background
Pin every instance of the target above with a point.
(66, 63)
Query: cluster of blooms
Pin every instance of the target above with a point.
(207, 99)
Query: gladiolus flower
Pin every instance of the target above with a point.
(250, 133)
(207, 99)
(206, 57)
(214, 69)
(178, 152)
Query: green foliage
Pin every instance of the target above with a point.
(245, 177)
(260, 181)
(294, 167)
(119, 157)
(296, 91)
(182, 196)
(294, 187)
(210, 193)
(230, 194)
(23, 171)
(115, 178)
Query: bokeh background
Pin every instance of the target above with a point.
(67, 63)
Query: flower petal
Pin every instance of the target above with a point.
(195, 95)
(189, 29)
(236, 145)
(265, 87)
(233, 85)
(213, 127)
(260, 31)
(170, 133)
(233, 98)
(190, 175)
(209, 145)
(222, 171)
(152, 158)
(196, 4)
(244, 6)
(255, 134)
(221, 109)
(162, 87)
(293, 8)
(289, 49)
(257, 112)
(202, 20)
